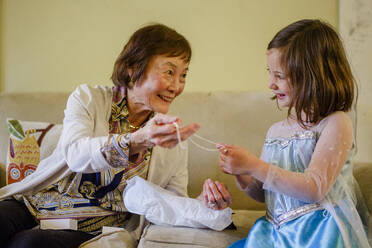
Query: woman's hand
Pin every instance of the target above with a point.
(215, 195)
(236, 160)
(160, 131)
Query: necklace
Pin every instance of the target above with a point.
(192, 141)
(133, 127)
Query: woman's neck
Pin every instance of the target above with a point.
(138, 113)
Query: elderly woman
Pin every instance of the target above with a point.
(109, 136)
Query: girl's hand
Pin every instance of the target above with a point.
(215, 195)
(160, 131)
(236, 160)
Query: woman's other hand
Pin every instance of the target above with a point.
(160, 131)
(215, 195)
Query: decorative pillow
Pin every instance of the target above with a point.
(29, 142)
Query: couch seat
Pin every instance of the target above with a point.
(156, 236)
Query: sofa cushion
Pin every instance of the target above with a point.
(163, 236)
(29, 142)
(246, 218)
(160, 236)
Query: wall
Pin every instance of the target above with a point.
(356, 31)
(54, 45)
(2, 56)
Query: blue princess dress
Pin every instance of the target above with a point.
(333, 222)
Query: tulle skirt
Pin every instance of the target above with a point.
(316, 230)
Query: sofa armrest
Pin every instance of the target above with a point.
(363, 175)
(2, 175)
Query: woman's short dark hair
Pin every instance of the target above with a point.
(315, 63)
(156, 39)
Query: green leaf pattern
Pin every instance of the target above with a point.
(15, 129)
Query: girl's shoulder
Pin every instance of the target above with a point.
(338, 119)
(287, 128)
(275, 129)
(338, 116)
(276, 125)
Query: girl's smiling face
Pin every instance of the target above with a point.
(278, 79)
(164, 79)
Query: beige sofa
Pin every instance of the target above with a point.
(241, 118)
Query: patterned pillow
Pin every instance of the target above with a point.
(29, 142)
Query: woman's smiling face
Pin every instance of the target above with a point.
(163, 80)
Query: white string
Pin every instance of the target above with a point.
(192, 141)
(202, 147)
(179, 135)
(207, 140)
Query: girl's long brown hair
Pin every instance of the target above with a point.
(319, 74)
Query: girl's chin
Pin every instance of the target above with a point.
(283, 104)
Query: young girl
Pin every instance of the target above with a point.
(305, 171)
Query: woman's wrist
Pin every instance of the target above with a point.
(124, 140)
(138, 143)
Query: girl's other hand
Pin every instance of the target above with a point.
(215, 195)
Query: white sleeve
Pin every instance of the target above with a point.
(329, 157)
(80, 148)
